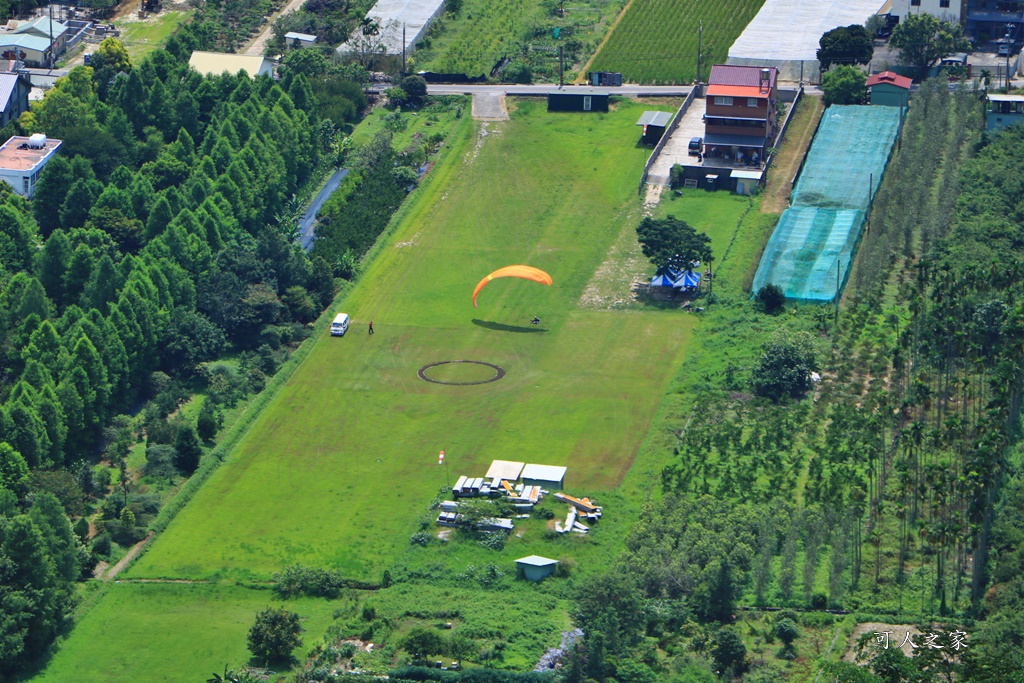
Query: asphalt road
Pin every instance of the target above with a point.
(544, 89)
(306, 233)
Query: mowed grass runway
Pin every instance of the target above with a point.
(342, 465)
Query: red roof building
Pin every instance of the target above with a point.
(889, 89)
(741, 119)
(891, 78)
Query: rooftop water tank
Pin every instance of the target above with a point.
(37, 140)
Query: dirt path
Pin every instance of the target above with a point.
(126, 560)
(259, 45)
(583, 71)
(794, 147)
(487, 107)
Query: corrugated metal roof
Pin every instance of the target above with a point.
(42, 26)
(655, 118)
(536, 561)
(733, 140)
(729, 74)
(889, 78)
(292, 35)
(216, 63)
(8, 85)
(26, 40)
(735, 91)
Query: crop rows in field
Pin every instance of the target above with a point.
(656, 40)
(482, 32)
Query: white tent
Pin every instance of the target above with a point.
(785, 34)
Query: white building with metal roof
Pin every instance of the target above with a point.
(303, 39)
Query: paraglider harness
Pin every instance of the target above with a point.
(535, 321)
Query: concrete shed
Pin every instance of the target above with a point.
(535, 567)
(546, 476)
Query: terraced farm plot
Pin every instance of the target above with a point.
(655, 41)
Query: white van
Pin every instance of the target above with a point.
(340, 325)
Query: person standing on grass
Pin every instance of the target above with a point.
(371, 327)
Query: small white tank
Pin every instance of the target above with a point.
(37, 140)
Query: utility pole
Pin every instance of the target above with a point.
(50, 7)
(700, 48)
(403, 48)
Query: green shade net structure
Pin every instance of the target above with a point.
(811, 250)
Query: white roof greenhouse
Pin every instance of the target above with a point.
(415, 16)
(785, 33)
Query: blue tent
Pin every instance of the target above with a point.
(687, 280)
(663, 280)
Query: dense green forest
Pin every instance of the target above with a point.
(156, 262)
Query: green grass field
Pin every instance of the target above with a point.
(655, 41)
(339, 468)
(170, 632)
(142, 36)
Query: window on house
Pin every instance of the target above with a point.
(751, 101)
(586, 103)
(723, 101)
(944, 3)
(24, 184)
(915, 3)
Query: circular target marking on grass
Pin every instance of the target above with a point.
(499, 372)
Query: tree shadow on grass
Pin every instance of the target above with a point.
(501, 327)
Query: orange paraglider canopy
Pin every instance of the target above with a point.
(525, 272)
